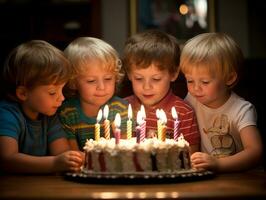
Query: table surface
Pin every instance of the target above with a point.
(245, 185)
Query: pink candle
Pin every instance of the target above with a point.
(143, 123)
(117, 132)
(176, 123)
(139, 128)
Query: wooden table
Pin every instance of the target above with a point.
(246, 185)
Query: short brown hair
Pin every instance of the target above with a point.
(152, 47)
(32, 64)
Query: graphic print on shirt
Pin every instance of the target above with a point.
(221, 140)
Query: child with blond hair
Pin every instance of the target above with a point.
(230, 140)
(97, 71)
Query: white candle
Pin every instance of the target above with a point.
(176, 123)
(106, 123)
(117, 124)
(97, 126)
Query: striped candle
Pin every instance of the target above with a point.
(129, 122)
(117, 131)
(164, 127)
(176, 123)
(97, 126)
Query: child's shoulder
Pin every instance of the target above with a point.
(118, 99)
(10, 106)
(180, 104)
(118, 103)
(69, 105)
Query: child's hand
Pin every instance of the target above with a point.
(68, 161)
(203, 161)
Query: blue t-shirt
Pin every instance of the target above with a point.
(33, 137)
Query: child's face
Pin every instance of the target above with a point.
(44, 99)
(96, 86)
(150, 85)
(208, 89)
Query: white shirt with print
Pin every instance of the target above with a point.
(220, 128)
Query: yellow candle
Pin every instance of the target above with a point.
(159, 124)
(106, 123)
(163, 133)
(129, 122)
(164, 127)
(97, 126)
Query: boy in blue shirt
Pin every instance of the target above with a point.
(31, 137)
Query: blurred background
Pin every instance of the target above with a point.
(60, 21)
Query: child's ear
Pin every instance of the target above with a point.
(231, 79)
(21, 93)
(174, 76)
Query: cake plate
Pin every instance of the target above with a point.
(139, 177)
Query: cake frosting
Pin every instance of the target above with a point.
(129, 156)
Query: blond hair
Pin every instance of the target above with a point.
(218, 52)
(83, 49)
(32, 64)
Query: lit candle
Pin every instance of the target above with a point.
(106, 123)
(97, 126)
(138, 128)
(159, 124)
(176, 123)
(129, 122)
(143, 123)
(164, 127)
(117, 131)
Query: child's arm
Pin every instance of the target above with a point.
(15, 162)
(249, 157)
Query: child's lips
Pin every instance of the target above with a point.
(148, 96)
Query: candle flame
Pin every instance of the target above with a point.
(105, 111)
(139, 118)
(99, 116)
(158, 113)
(117, 121)
(142, 109)
(174, 113)
(129, 112)
(163, 116)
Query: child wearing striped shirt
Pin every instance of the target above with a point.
(151, 61)
(97, 71)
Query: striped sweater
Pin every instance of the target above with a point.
(188, 123)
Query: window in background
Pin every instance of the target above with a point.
(181, 18)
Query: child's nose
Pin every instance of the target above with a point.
(196, 87)
(100, 85)
(61, 97)
(147, 85)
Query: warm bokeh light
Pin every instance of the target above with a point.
(183, 9)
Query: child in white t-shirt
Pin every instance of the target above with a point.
(230, 140)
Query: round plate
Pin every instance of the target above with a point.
(139, 177)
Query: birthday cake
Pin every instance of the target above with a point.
(149, 155)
